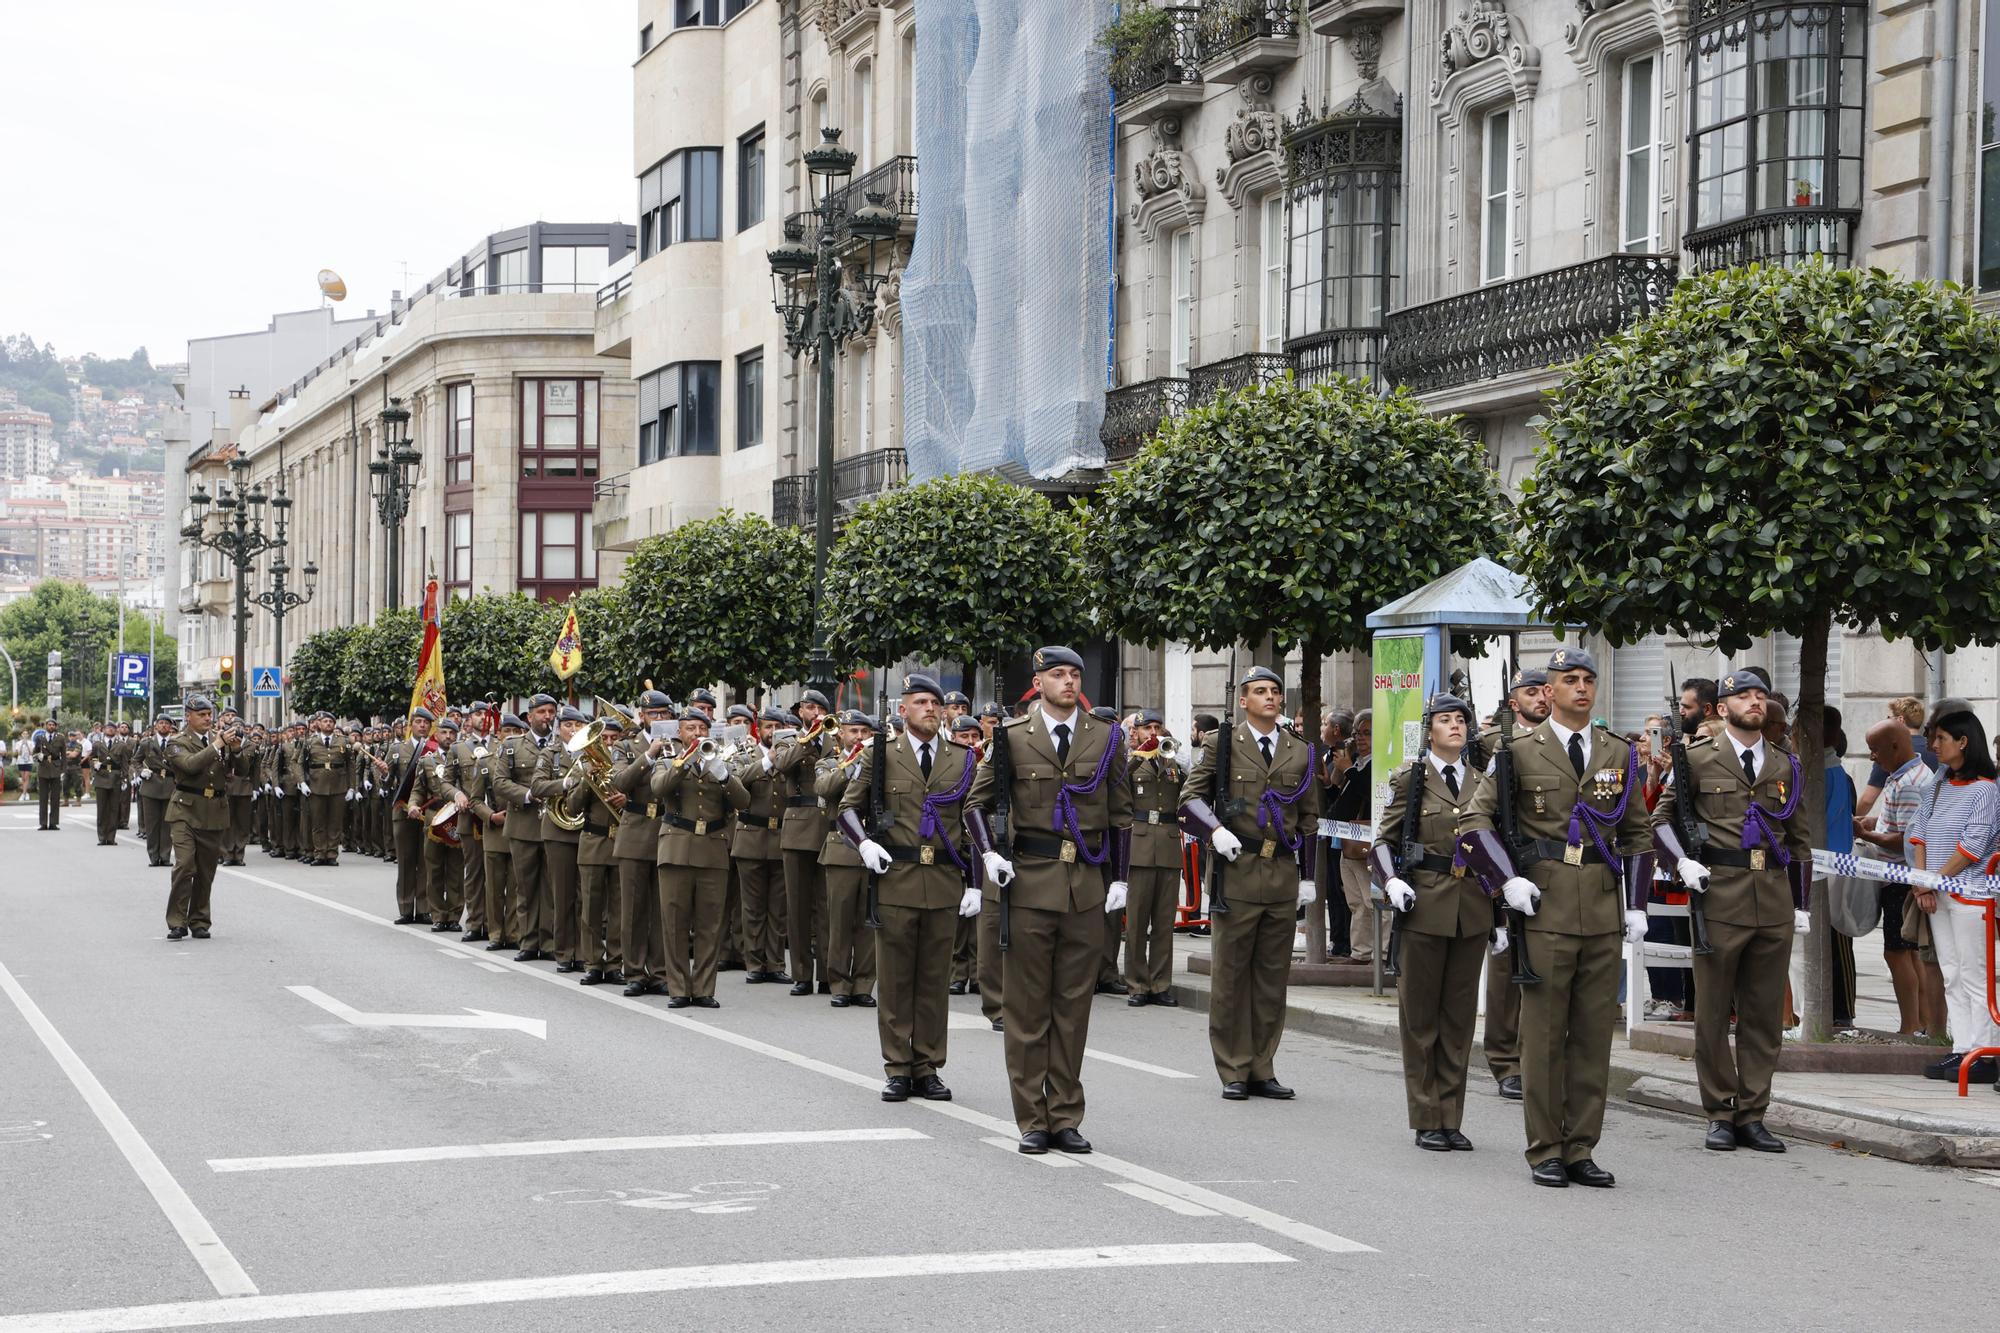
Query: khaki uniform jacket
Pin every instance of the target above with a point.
(830, 784)
(759, 827)
(1737, 894)
(292, 765)
(1452, 905)
(243, 770)
(512, 770)
(933, 879)
(1047, 883)
(1266, 871)
(150, 757)
(1576, 899)
(461, 767)
(640, 832)
(798, 764)
(108, 765)
(267, 763)
(433, 782)
(690, 794)
(476, 781)
(595, 845)
(198, 769)
(548, 784)
(1156, 803)
(328, 764)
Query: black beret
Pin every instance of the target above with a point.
(742, 711)
(1736, 682)
(1104, 713)
(918, 683)
(704, 695)
(1449, 703)
(1256, 674)
(854, 717)
(513, 720)
(692, 713)
(1056, 656)
(450, 723)
(612, 722)
(542, 701)
(814, 697)
(1153, 716)
(655, 699)
(992, 710)
(778, 715)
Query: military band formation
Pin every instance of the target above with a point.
(889, 867)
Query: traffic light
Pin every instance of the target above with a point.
(225, 682)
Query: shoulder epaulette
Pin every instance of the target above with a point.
(1700, 740)
(1014, 721)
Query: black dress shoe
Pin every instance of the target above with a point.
(474, 937)
(1752, 1134)
(591, 977)
(1138, 1000)
(781, 976)
(1946, 1068)
(897, 1089)
(863, 1001)
(956, 988)
(932, 1089)
(1510, 1087)
(1166, 998)
(1113, 988)
(1270, 1087)
(177, 932)
(1590, 1173)
(756, 978)
(1433, 1140)
(527, 955)
(1459, 1143)
(826, 988)
(707, 1002)
(571, 966)
(637, 988)
(730, 965)
(972, 988)
(1237, 1091)
(441, 927)
(999, 1025)
(1721, 1137)
(613, 977)
(199, 932)
(495, 946)
(679, 1001)
(840, 1001)
(406, 921)
(1549, 1172)
(1068, 1140)
(1035, 1141)
(802, 988)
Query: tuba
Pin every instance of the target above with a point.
(593, 761)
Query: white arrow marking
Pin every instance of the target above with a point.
(472, 1018)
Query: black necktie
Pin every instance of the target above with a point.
(924, 759)
(1576, 755)
(1062, 743)
(1451, 780)
(1264, 744)
(1749, 769)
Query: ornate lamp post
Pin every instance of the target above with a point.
(240, 538)
(390, 480)
(821, 312)
(279, 599)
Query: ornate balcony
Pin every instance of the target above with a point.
(1355, 353)
(895, 180)
(1209, 382)
(1161, 73)
(1133, 413)
(1544, 319)
(1239, 38)
(1336, 18)
(1789, 236)
(795, 499)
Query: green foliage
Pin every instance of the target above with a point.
(82, 626)
(1774, 448)
(36, 376)
(724, 599)
(380, 665)
(1138, 34)
(318, 669)
(492, 645)
(1288, 511)
(969, 568)
(602, 618)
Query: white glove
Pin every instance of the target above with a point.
(765, 758)
(1307, 891)
(1400, 895)
(1226, 844)
(717, 770)
(968, 903)
(1693, 874)
(368, 786)
(1499, 941)
(1802, 922)
(875, 856)
(350, 793)
(998, 868)
(1635, 927)
(1521, 895)
(304, 790)
(145, 774)
(1114, 897)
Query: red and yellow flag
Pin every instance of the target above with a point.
(566, 658)
(428, 692)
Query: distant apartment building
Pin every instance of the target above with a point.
(27, 442)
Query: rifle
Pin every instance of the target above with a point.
(1519, 849)
(1409, 852)
(879, 818)
(1002, 821)
(1687, 820)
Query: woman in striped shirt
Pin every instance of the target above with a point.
(1955, 831)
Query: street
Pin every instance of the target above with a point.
(317, 1119)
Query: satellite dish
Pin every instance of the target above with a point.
(331, 286)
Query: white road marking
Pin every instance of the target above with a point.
(1277, 1223)
(562, 1147)
(471, 1018)
(968, 1022)
(476, 962)
(582, 1286)
(1045, 1159)
(1169, 1202)
(207, 1248)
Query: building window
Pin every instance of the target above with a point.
(458, 553)
(510, 271)
(750, 179)
(1271, 259)
(731, 8)
(750, 399)
(475, 280)
(680, 411)
(559, 428)
(680, 199)
(691, 13)
(864, 398)
(863, 116)
(458, 434)
(1496, 196)
(1639, 159)
(1989, 151)
(1180, 331)
(1777, 117)
(645, 39)
(1343, 211)
(906, 96)
(556, 558)
(572, 268)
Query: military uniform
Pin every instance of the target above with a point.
(444, 868)
(156, 788)
(197, 815)
(491, 847)
(49, 777)
(559, 852)
(636, 851)
(1155, 879)
(800, 841)
(327, 767)
(849, 959)
(107, 779)
(407, 833)
(693, 870)
(600, 945)
(756, 856)
(1501, 1037)
(512, 770)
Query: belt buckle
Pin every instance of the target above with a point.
(208, 792)
(700, 827)
(1458, 870)
(1068, 853)
(1269, 848)
(652, 809)
(1573, 854)
(1757, 858)
(927, 855)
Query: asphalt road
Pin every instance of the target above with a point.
(187, 1140)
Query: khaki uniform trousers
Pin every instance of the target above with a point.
(1437, 998)
(531, 902)
(1747, 971)
(691, 902)
(195, 853)
(444, 882)
(409, 860)
(560, 868)
(1152, 898)
(964, 949)
(913, 953)
(639, 922)
(1048, 979)
(1250, 966)
(761, 888)
(602, 944)
(991, 960)
(805, 916)
(153, 814)
(1566, 1024)
(499, 861)
(472, 855)
(1502, 1038)
(850, 956)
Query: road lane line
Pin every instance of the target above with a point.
(223, 1271)
(561, 1147)
(1041, 1158)
(1301, 1232)
(579, 1286)
(1167, 1201)
(968, 1023)
(476, 962)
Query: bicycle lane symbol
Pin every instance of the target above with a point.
(709, 1199)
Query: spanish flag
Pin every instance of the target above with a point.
(566, 658)
(428, 692)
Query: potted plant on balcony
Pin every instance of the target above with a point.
(1803, 193)
(1135, 39)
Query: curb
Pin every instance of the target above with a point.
(1932, 1144)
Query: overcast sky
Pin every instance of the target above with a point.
(183, 168)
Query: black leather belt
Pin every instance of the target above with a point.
(926, 855)
(701, 828)
(1550, 849)
(1046, 845)
(1156, 816)
(760, 822)
(597, 830)
(802, 803)
(1743, 858)
(1440, 864)
(195, 791)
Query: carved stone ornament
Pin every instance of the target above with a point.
(1255, 129)
(1167, 170)
(835, 13)
(1484, 28)
(1364, 44)
(890, 298)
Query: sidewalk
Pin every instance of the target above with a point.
(1908, 1119)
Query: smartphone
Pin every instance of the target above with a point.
(1658, 739)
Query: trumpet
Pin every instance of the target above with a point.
(1165, 749)
(705, 748)
(812, 732)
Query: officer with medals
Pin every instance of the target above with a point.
(1444, 921)
(197, 816)
(698, 795)
(1755, 877)
(1155, 896)
(1070, 811)
(636, 849)
(1583, 857)
(1528, 695)
(850, 944)
(921, 892)
(1272, 810)
(801, 840)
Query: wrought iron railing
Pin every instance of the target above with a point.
(792, 501)
(610, 497)
(1209, 382)
(1227, 24)
(895, 180)
(1544, 319)
(1171, 53)
(1790, 236)
(795, 499)
(1355, 353)
(1133, 414)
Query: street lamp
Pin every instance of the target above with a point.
(390, 481)
(278, 599)
(241, 537)
(821, 312)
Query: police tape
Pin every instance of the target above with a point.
(1977, 887)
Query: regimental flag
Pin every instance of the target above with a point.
(566, 658)
(428, 692)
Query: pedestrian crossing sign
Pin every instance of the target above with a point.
(264, 683)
